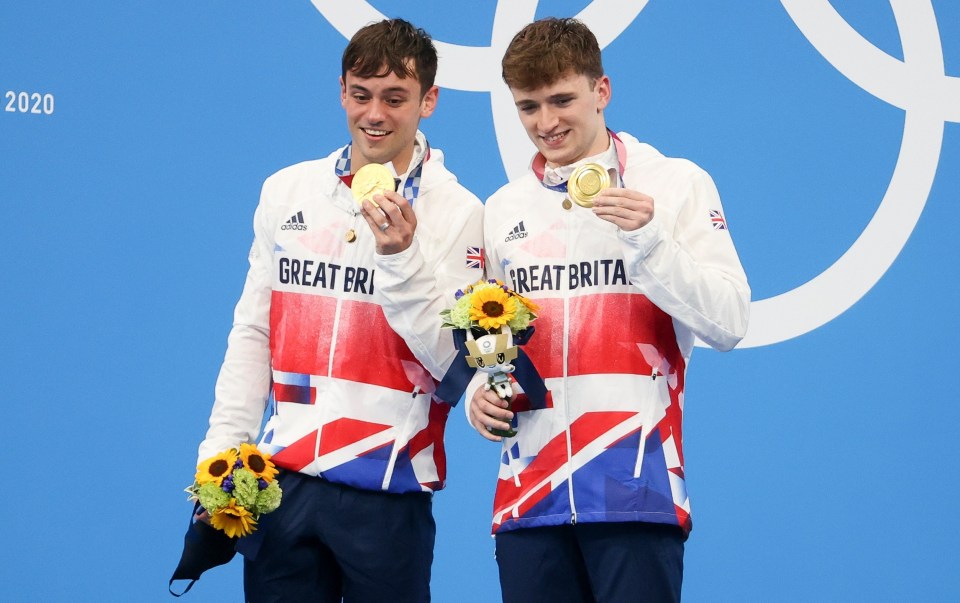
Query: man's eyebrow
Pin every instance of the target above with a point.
(395, 90)
(559, 96)
(391, 90)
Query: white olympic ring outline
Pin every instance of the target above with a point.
(917, 84)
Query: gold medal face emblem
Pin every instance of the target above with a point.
(586, 182)
(370, 180)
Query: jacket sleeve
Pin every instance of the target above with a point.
(413, 286)
(243, 384)
(492, 269)
(692, 271)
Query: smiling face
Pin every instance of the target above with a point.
(383, 114)
(564, 119)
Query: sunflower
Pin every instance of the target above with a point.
(216, 468)
(234, 520)
(492, 307)
(258, 463)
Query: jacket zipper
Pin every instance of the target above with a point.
(566, 403)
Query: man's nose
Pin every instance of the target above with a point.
(375, 111)
(547, 120)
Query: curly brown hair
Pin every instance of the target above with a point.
(391, 46)
(547, 50)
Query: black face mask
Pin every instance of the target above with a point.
(204, 547)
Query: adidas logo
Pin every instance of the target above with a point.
(518, 232)
(295, 222)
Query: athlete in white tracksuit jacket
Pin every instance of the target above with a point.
(353, 398)
(340, 320)
(591, 502)
(619, 315)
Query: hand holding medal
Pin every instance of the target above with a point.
(628, 209)
(589, 187)
(389, 215)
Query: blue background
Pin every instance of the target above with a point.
(820, 468)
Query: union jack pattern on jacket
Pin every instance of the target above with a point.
(619, 315)
(348, 341)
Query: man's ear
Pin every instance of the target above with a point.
(604, 92)
(429, 102)
(343, 92)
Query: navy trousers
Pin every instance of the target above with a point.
(328, 542)
(591, 562)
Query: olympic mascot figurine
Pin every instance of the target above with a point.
(492, 354)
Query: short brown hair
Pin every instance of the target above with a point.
(391, 46)
(546, 50)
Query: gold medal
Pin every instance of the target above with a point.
(586, 182)
(370, 180)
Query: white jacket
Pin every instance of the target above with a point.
(348, 341)
(619, 315)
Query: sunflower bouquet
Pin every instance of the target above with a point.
(491, 316)
(489, 305)
(236, 487)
